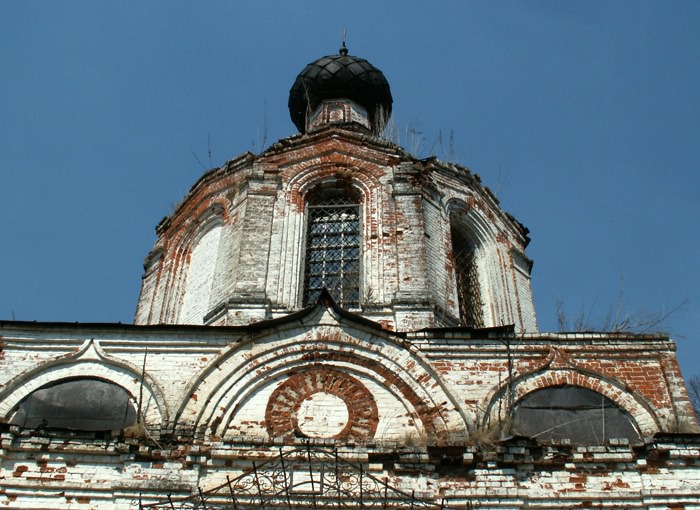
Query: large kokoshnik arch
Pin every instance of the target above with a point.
(501, 401)
(259, 362)
(90, 362)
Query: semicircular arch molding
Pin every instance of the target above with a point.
(420, 410)
(212, 216)
(480, 229)
(88, 365)
(347, 409)
(182, 242)
(484, 270)
(305, 181)
(635, 405)
(215, 398)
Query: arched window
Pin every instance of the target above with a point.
(77, 404)
(578, 414)
(333, 239)
(467, 277)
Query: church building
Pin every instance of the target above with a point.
(336, 323)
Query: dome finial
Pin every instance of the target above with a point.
(344, 49)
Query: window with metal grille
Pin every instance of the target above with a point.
(467, 276)
(333, 250)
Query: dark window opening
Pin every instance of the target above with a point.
(333, 248)
(77, 404)
(578, 414)
(467, 279)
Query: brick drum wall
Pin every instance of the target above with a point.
(407, 277)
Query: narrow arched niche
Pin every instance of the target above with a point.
(572, 413)
(200, 274)
(84, 404)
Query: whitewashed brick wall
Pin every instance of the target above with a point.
(201, 271)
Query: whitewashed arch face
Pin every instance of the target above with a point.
(90, 362)
(151, 406)
(200, 275)
(237, 397)
(474, 265)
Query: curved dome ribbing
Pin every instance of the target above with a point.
(341, 76)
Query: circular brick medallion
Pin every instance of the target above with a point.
(322, 403)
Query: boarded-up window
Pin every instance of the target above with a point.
(571, 412)
(77, 404)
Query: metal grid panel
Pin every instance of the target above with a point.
(333, 252)
(304, 479)
(468, 288)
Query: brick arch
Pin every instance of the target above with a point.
(214, 216)
(488, 262)
(427, 412)
(418, 406)
(120, 374)
(214, 400)
(479, 227)
(178, 243)
(152, 271)
(306, 180)
(364, 178)
(639, 410)
(214, 213)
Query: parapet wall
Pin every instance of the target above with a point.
(44, 470)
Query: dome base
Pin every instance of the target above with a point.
(338, 111)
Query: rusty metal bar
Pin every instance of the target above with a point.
(361, 504)
(233, 496)
(337, 480)
(257, 485)
(286, 483)
(386, 490)
(201, 496)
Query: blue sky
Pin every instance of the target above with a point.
(582, 116)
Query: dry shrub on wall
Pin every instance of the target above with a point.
(694, 393)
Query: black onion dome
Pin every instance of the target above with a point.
(341, 76)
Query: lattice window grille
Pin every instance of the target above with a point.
(333, 252)
(468, 287)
